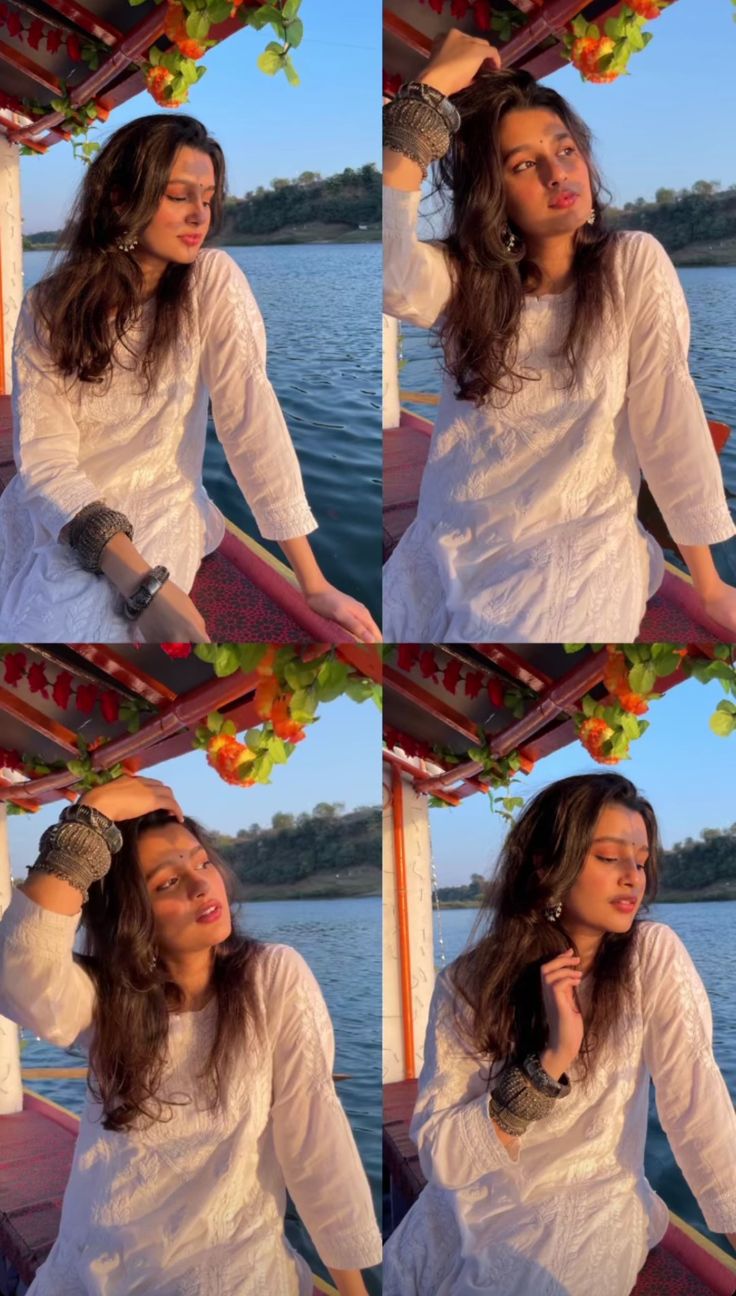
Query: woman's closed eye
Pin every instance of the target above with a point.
(614, 859)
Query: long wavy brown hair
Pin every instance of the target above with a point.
(499, 977)
(88, 300)
(135, 993)
(480, 328)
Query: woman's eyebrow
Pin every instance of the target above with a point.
(622, 841)
(526, 148)
(188, 180)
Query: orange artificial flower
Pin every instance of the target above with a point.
(267, 690)
(265, 665)
(645, 8)
(525, 764)
(157, 79)
(593, 733)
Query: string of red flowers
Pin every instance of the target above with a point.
(36, 31)
(456, 673)
(62, 688)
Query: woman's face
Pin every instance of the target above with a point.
(546, 177)
(180, 225)
(191, 911)
(614, 867)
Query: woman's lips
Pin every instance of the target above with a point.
(211, 915)
(566, 199)
(624, 906)
(191, 240)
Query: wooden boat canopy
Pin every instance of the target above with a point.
(175, 694)
(119, 33)
(420, 710)
(537, 28)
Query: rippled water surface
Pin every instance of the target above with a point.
(707, 930)
(321, 306)
(341, 942)
(711, 297)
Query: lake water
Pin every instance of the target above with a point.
(341, 942)
(707, 930)
(321, 306)
(711, 298)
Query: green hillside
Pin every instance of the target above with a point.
(696, 227)
(325, 854)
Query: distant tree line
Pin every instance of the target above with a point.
(683, 216)
(688, 866)
(353, 197)
(296, 846)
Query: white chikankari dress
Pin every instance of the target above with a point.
(80, 442)
(195, 1206)
(526, 528)
(574, 1214)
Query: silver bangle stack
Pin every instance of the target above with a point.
(79, 848)
(143, 596)
(91, 529)
(419, 123)
(525, 1094)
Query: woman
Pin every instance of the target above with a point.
(105, 525)
(210, 1089)
(565, 350)
(542, 1038)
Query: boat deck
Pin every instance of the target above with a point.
(36, 1149)
(683, 1264)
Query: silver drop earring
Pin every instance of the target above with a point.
(509, 239)
(552, 912)
(591, 218)
(126, 243)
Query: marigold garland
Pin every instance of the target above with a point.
(602, 57)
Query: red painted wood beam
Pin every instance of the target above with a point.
(431, 705)
(125, 672)
(401, 763)
(88, 21)
(16, 706)
(22, 63)
(183, 712)
(407, 34)
(521, 669)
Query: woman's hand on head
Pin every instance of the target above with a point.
(560, 978)
(130, 796)
(348, 612)
(171, 617)
(455, 61)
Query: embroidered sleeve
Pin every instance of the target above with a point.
(314, 1143)
(452, 1127)
(694, 1106)
(247, 414)
(41, 986)
(45, 433)
(665, 416)
(416, 275)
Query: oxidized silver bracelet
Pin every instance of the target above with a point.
(515, 1101)
(91, 530)
(75, 853)
(415, 129)
(149, 587)
(542, 1080)
(93, 818)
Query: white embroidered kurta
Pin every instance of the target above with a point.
(526, 527)
(142, 455)
(195, 1206)
(574, 1213)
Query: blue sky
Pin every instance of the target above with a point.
(266, 127)
(339, 760)
(687, 773)
(670, 121)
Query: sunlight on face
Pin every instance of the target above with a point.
(614, 867)
(546, 177)
(180, 225)
(182, 883)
